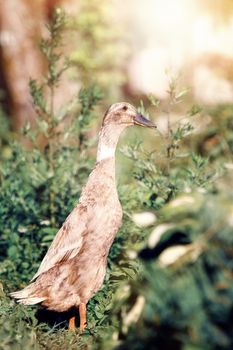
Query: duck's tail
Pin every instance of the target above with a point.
(28, 295)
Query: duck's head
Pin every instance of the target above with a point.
(118, 117)
(125, 114)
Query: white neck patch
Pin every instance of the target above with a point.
(105, 152)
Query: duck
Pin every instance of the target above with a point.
(74, 267)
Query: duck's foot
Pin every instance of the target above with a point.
(83, 316)
(72, 324)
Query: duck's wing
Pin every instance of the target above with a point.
(67, 241)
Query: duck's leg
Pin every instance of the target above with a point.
(72, 324)
(83, 316)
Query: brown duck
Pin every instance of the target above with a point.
(74, 267)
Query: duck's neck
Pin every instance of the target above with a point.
(108, 138)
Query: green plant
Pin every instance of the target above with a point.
(185, 282)
(40, 183)
(100, 50)
(172, 167)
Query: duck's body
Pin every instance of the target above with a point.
(74, 267)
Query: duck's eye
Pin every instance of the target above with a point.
(125, 108)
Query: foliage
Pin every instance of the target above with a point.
(217, 140)
(18, 326)
(99, 48)
(187, 278)
(39, 185)
(154, 297)
(41, 182)
(173, 166)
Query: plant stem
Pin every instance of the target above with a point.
(51, 155)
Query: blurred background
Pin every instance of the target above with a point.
(62, 63)
(129, 47)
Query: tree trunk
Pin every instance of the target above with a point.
(21, 27)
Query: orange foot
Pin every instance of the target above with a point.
(83, 316)
(72, 324)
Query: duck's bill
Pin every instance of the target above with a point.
(140, 120)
